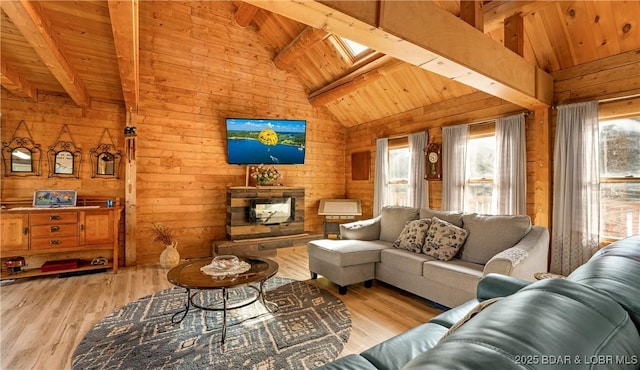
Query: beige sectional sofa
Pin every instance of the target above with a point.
(417, 258)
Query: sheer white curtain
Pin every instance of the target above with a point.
(575, 233)
(418, 195)
(511, 166)
(454, 153)
(381, 184)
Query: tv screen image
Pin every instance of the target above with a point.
(265, 141)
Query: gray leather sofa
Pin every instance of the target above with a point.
(590, 320)
(507, 245)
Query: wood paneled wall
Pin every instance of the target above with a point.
(467, 109)
(193, 74)
(44, 120)
(610, 78)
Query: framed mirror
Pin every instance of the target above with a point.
(20, 155)
(64, 157)
(21, 160)
(105, 159)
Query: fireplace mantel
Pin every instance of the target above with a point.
(239, 225)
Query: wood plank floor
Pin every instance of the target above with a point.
(42, 320)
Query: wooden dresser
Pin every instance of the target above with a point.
(89, 227)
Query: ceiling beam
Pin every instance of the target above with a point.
(245, 13)
(15, 83)
(448, 47)
(124, 24)
(299, 46)
(27, 17)
(358, 78)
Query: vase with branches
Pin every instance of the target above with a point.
(170, 257)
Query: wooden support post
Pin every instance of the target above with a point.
(542, 171)
(514, 34)
(471, 12)
(130, 191)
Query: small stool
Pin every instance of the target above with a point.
(345, 262)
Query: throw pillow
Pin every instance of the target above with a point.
(443, 240)
(412, 236)
(393, 219)
(491, 234)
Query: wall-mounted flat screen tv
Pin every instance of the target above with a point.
(266, 141)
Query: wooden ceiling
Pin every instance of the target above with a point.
(88, 49)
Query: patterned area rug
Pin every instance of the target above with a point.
(308, 330)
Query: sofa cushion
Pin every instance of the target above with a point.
(346, 252)
(490, 235)
(394, 353)
(443, 240)
(614, 270)
(361, 230)
(453, 217)
(393, 219)
(351, 362)
(455, 273)
(412, 236)
(404, 261)
(550, 320)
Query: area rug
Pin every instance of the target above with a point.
(308, 330)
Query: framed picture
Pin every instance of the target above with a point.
(54, 198)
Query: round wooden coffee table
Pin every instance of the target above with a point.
(189, 276)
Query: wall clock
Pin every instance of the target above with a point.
(433, 170)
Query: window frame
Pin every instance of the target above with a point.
(397, 144)
(604, 240)
(479, 131)
(347, 52)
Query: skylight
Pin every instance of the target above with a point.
(354, 48)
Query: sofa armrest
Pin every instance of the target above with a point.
(498, 285)
(525, 258)
(361, 230)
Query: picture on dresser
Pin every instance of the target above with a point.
(54, 198)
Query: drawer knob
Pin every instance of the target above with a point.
(54, 241)
(55, 229)
(54, 217)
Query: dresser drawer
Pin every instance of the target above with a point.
(54, 231)
(52, 218)
(54, 242)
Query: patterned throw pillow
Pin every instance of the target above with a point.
(443, 240)
(412, 236)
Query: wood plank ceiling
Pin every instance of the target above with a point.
(87, 50)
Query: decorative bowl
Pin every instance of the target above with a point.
(225, 262)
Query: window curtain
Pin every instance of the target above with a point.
(454, 153)
(511, 166)
(575, 233)
(380, 186)
(418, 195)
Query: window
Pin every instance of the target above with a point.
(619, 178)
(399, 163)
(353, 50)
(480, 163)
